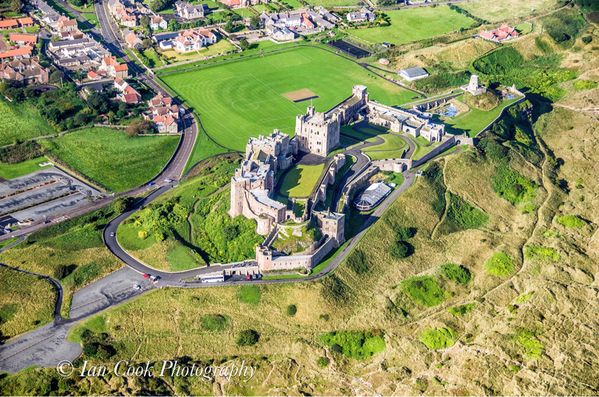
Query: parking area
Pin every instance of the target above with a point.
(54, 190)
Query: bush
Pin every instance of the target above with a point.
(142, 234)
(291, 310)
(461, 309)
(355, 344)
(138, 127)
(535, 252)
(323, 362)
(571, 221)
(356, 261)
(441, 338)
(500, 62)
(455, 273)
(587, 39)
(512, 186)
(214, 322)
(399, 250)
(423, 290)
(584, 85)
(500, 264)
(60, 272)
(90, 349)
(247, 337)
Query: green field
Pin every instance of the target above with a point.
(241, 99)
(243, 12)
(92, 18)
(503, 9)
(110, 158)
(11, 171)
(300, 180)
(333, 3)
(21, 122)
(415, 24)
(392, 142)
(385, 154)
(291, 3)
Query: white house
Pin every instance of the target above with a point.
(194, 39)
(363, 16)
(157, 23)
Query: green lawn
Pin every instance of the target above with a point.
(385, 154)
(291, 3)
(21, 122)
(243, 99)
(415, 24)
(12, 171)
(300, 181)
(421, 150)
(347, 130)
(202, 149)
(392, 142)
(524, 28)
(92, 18)
(333, 3)
(243, 12)
(473, 121)
(32, 29)
(110, 158)
(260, 8)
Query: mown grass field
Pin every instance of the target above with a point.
(300, 180)
(240, 99)
(12, 171)
(473, 121)
(26, 302)
(21, 122)
(415, 24)
(504, 9)
(220, 47)
(110, 158)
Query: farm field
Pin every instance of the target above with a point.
(21, 122)
(110, 158)
(11, 171)
(503, 9)
(240, 99)
(300, 180)
(415, 24)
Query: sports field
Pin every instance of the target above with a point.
(244, 98)
(415, 24)
(499, 10)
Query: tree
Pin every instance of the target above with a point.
(16, 6)
(243, 43)
(144, 21)
(146, 43)
(81, 118)
(173, 25)
(400, 250)
(121, 204)
(255, 22)
(56, 77)
(60, 272)
(247, 337)
(291, 310)
(228, 26)
(137, 127)
(99, 102)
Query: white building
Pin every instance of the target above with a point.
(414, 73)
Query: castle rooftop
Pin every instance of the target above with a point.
(262, 197)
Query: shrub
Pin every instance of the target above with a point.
(355, 344)
(291, 310)
(571, 221)
(423, 290)
(142, 234)
(247, 337)
(250, 294)
(357, 262)
(323, 362)
(584, 85)
(528, 208)
(587, 39)
(436, 339)
(512, 186)
(60, 272)
(463, 214)
(455, 273)
(461, 309)
(532, 347)
(214, 322)
(524, 298)
(90, 349)
(334, 290)
(500, 264)
(399, 249)
(536, 252)
(500, 62)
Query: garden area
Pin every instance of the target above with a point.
(299, 181)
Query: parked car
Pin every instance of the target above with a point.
(146, 275)
(249, 277)
(111, 234)
(154, 278)
(259, 276)
(254, 277)
(137, 287)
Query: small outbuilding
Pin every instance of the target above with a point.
(372, 196)
(414, 73)
(384, 61)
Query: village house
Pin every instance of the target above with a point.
(131, 38)
(193, 39)
(163, 113)
(329, 16)
(126, 93)
(9, 24)
(96, 75)
(26, 71)
(157, 23)
(66, 25)
(25, 22)
(360, 17)
(19, 53)
(115, 5)
(114, 69)
(282, 34)
(189, 11)
(503, 33)
(23, 39)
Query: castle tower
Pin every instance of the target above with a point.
(473, 85)
(237, 197)
(332, 224)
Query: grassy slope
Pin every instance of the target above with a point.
(415, 24)
(26, 302)
(475, 120)
(21, 122)
(241, 99)
(504, 9)
(11, 171)
(110, 158)
(300, 180)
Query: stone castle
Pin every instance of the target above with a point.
(316, 133)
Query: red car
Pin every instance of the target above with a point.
(249, 277)
(146, 275)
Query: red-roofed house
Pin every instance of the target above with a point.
(66, 25)
(23, 39)
(166, 124)
(97, 75)
(25, 22)
(306, 22)
(23, 52)
(503, 33)
(8, 24)
(129, 95)
(133, 41)
(192, 40)
(114, 68)
(232, 3)
(163, 113)
(26, 70)
(159, 101)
